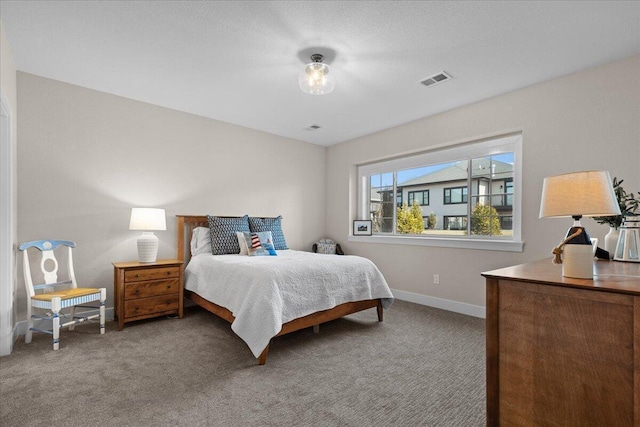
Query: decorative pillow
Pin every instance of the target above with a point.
(274, 225)
(200, 241)
(223, 233)
(242, 243)
(259, 243)
(326, 246)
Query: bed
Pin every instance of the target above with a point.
(271, 296)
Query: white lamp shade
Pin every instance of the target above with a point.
(588, 193)
(147, 219)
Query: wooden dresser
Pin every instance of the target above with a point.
(562, 351)
(145, 290)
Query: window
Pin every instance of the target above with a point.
(455, 222)
(508, 192)
(421, 196)
(481, 195)
(455, 195)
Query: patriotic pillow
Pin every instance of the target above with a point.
(259, 244)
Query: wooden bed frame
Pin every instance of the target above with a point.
(186, 224)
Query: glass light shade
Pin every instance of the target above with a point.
(588, 193)
(316, 79)
(147, 219)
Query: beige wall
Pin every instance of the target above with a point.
(86, 158)
(9, 90)
(587, 120)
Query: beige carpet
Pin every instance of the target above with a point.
(420, 367)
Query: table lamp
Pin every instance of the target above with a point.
(577, 194)
(148, 220)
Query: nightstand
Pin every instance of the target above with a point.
(145, 290)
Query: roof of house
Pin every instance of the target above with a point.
(458, 172)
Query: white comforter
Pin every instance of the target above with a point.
(264, 292)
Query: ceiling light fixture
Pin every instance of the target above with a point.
(316, 78)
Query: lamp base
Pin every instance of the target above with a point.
(577, 261)
(147, 247)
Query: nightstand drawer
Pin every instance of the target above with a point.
(142, 274)
(151, 288)
(142, 306)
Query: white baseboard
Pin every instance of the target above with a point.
(444, 304)
(21, 327)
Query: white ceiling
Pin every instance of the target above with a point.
(239, 61)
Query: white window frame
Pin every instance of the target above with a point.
(7, 291)
(469, 150)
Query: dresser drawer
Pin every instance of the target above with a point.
(151, 288)
(143, 306)
(139, 275)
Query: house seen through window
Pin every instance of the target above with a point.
(465, 191)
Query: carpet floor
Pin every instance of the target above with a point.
(420, 367)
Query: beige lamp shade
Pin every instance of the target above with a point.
(147, 219)
(588, 193)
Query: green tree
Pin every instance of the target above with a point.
(485, 221)
(432, 221)
(410, 219)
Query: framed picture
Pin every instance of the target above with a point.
(362, 227)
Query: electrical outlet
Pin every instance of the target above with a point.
(436, 279)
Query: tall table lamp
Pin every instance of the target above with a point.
(577, 194)
(148, 220)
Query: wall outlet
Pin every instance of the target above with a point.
(436, 279)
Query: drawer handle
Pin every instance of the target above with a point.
(137, 291)
(137, 275)
(168, 273)
(136, 308)
(168, 286)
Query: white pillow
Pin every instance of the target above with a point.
(243, 243)
(200, 241)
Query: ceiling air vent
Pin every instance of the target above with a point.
(435, 79)
(313, 127)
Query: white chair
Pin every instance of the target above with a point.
(54, 300)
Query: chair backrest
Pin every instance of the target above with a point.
(48, 264)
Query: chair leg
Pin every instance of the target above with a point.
(73, 318)
(29, 334)
(103, 298)
(56, 303)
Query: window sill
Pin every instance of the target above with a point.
(443, 242)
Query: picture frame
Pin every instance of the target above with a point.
(362, 227)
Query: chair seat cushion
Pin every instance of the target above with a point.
(66, 294)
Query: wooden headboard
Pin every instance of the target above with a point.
(186, 224)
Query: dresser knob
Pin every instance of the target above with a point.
(137, 275)
(168, 273)
(137, 291)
